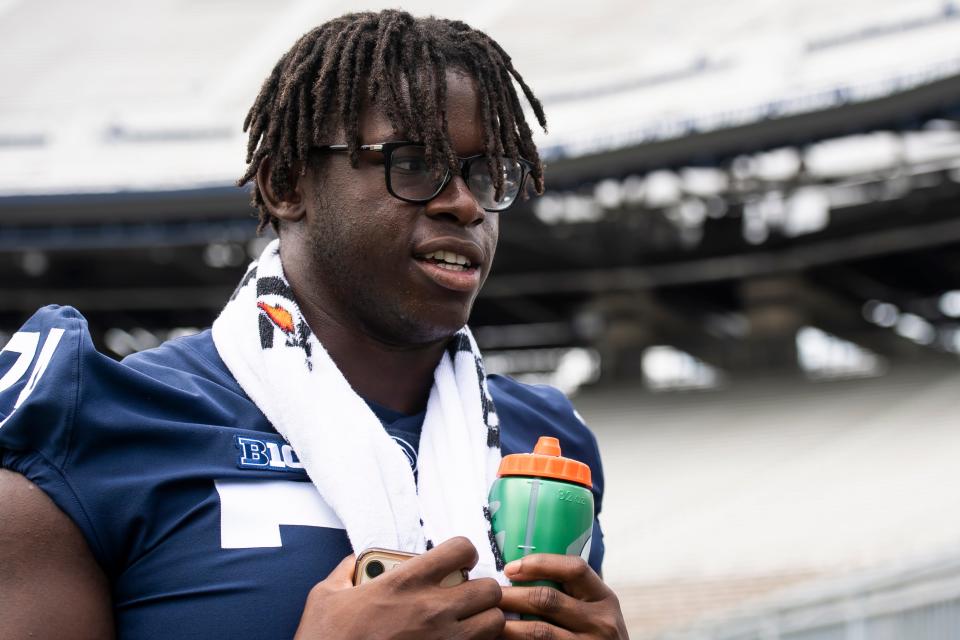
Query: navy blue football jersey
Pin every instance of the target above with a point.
(196, 508)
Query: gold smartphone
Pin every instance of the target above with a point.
(374, 562)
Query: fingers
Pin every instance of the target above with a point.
(342, 575)
(576, 576)
(485, 624)
(534, 630)
(588, 607)
(544, 602)
(341, 578)
(476, 596)
(436, 564)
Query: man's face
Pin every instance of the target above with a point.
(366, 252)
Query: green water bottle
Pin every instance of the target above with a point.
(542, 503)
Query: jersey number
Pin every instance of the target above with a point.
(251, 511)
(25, 343)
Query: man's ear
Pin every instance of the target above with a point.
(289, 208)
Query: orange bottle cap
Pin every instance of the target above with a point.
(546, 462)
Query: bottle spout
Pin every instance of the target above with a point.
(547, 446)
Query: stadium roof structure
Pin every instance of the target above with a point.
(709, 166)
(107, 96)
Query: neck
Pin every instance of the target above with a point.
(399, 378)
(395, 376)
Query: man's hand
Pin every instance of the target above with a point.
(406, 602)
(588, 609)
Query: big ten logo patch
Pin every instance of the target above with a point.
(266, 455)
(25, 344)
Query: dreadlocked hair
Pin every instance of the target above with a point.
(324, 79)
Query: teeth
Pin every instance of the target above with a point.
(451, 267)
(448, 257)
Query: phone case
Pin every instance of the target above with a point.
(390, 559)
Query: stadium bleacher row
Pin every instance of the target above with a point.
(775, 480)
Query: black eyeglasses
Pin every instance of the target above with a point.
(411, 179)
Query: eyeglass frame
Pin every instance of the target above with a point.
(387, 149)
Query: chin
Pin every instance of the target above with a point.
(434, 333)
(424, 329)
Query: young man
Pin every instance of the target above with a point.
(217, 486)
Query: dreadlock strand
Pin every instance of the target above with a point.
(423, 88)
(326, 88)
(252, 167)
(527, 91)
(266, 90)
(256, 120)
(506, 119)
(299, 65)
(304, 127)
(440, 79)
(388, 33)
(359, 89)
(386, 30)
(283, 158)
(388, 48)
(347, 88)
(405, 72)
(323, 92)
(490, 126)
(527, 146)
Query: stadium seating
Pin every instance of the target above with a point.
(771, 481)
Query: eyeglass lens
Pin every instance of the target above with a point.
(482, 186)
(412, 178)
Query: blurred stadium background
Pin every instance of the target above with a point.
(746, 266)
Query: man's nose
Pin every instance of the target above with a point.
(457, 203)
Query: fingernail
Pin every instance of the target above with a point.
(512, 568)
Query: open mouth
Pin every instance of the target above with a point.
(450, 269)
(448, 260)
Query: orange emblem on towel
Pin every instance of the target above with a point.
(280, 316)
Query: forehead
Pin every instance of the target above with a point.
(464, 117)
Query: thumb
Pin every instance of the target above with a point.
(342, 575)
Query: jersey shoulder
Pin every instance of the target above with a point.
(52, 377)
(186, 361)
(194, 383)
(40, 372)
(98, 436)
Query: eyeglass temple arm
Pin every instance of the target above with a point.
(363, 147)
